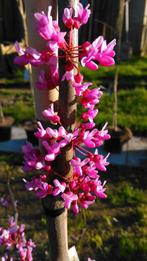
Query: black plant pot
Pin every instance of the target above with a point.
(5, 128)
(30, 128)
(118, 138)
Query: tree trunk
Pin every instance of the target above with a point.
(54, 207)
(56, 224)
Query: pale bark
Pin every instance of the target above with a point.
(56, 223)
(42, 98)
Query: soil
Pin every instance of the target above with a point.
(6, 122)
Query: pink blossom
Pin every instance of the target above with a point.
(49, 30)
(99, 189)
(68, 198)
(82, 15)
(106, 53)
(85, 185)
(86, 200)
(13, 239)
(67, 17)
(50, 115)
(91, 97)
(59, 187)
(90, 114)
(69, 76)
(4, 201)
(78, 164)
(32, 158)
(90, 51)
(29, 55)
(81, 87)
(47, 83)
(100, 161)
(41, 188)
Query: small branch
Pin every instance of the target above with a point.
(12, 197)
(1, 114)
(115, 100)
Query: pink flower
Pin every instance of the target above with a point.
(89, 115)
(98, 51)
(106, 53)
(68, 198)
(41, 188)
(49, 30)
(44, 82)
(100, 161)
(4, 201)
(99, 189)
(82, 15)
(81, 87)
(85, 185)
(78, 164)
(13, 238)
(90, 51)
(59, 187)
(52, 150)
(50, 115)
(32, 157)
(67, 17)
(29, 55)
(86, 200)
(91, 97)
(69, 76)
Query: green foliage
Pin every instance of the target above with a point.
(126, 194)
(20, 112)
(132, 109)
(141, 215)
(132, 72)
(130, 247)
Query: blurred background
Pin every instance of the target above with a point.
(114, 228)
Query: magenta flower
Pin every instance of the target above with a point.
(90, 114)
(106, 54)
(59, 187)
(49, 30)
(99, 161)
(14, 242)
(81, 17)
(68, 198)
(82, 189)
(50, 115)
(29, 55)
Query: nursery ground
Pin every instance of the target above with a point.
(114, 228)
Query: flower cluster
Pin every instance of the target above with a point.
(13, 240)
(85, 185)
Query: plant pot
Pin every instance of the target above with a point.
(118, 138)
(30, 128)
(5, 128)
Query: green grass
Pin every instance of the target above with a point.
(132, 110)
(20, 112)
(132, 107)
(125, 194)
(132, 72)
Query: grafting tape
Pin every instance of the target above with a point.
(53, 212)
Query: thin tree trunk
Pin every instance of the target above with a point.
(54, 208)
(57, 222)
(43, 98)
(118, 29)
